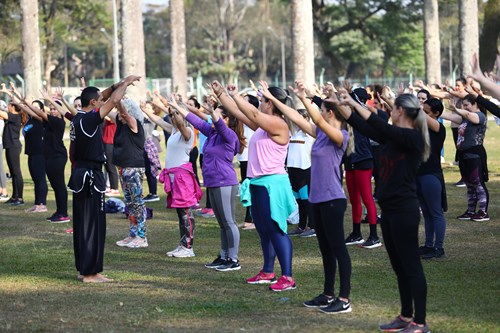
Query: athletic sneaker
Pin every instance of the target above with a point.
(480, 216)
(183, 252)
(137, 242)
(170, 253)
(151, 197)
(371, 243)
(296, 231)
(424, 250)
(320, 301)
(229, 265)
(17, 202)
(460, 183)
(308, 233)
(466, 216)
(262, 278)
(354, 239)
(434, 253)
(397, 325)
(57, 218)
(284, 283)
(4, 197)
(124, 241)
(414, 328)
(207, 213)
(10, 201)
(337, 306)
(216, 263)
(69, 231)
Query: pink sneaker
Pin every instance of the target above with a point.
(207, 212)
(262, 278)
(69, 231)
(284, 283)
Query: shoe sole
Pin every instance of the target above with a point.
(278, 290)
(481, 220)
(464, 218)
(392, 330)
(64, 221)
(263, 282)
(183, 256)
(371, 246)
(336, 312)
(356, 242)
(151, 200)
(211, 267)
(228, 269)
(307, 236)
(315, 306)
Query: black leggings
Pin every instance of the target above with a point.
(400, 231)
(243, 174)
(193, 157)
(36, 165)
(110, 167)
(152, 182)
(55, 173)
(329, 223)
(13, 155)
(207, 198)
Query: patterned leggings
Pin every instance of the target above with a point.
(471, 170)
(131, 180)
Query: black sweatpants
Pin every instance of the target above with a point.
(400, 231)
(36, 166)
(13, 157)
(55, 173)
(89, 229)
(329, 223)
(152, 182)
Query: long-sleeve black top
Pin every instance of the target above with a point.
(400, 156)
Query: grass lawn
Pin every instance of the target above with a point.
(153, 293)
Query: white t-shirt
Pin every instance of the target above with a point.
(248, 132)
(299, 150)
(178, 149)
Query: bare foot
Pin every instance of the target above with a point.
(95, 278)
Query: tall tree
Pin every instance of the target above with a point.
(134, 61)
(468, 33)
(178, 40)
(31, 47)
(488, 42)
(432, 43)
(302, 41)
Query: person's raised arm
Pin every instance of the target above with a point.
(231, 106)
(179, 121)
(290, 113)
(131, 121)
(3, 89)
(473, 117)
(60, 95)
(492, 87)
(117, 94)
(156, 119)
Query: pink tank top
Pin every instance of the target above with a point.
(265, 157)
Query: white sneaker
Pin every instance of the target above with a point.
(125, 241)
(138, 242)
(170, 253)
(183, 252)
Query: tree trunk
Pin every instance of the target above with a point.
(432, 45)
(134, 60)
(468, 33)
(31, 47)
(302, 41)
(178, 40)
(488, 42)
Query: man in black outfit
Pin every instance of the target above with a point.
(87, 180)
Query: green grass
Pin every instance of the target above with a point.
(153, 293)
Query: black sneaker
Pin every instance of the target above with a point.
(50, 217)
(10, 201)
(424, 250)
(308, 233)
(414, 328)
(59, 218)
(460, 183)
(466, 216)
(371, 243)
(320, 301)
(354, 239)
(229, 265)
(17, 202)
(434, 253)
(480, 216)
(151, 197)
(216, 263)
(337, 306)
(397, 325)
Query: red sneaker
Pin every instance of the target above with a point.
(284, 283)
(69, 231)
(262, 278)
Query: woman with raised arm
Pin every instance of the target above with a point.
(430, 184)
(33, 137)
(56, 156)
(14, 119)
(183, 192)
(472, 156)
(327, 198)
(224, 141)
(269, 188)
(405, 144)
